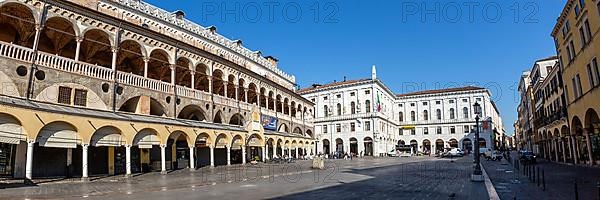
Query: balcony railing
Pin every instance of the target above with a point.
(437, 121)
(25, 54)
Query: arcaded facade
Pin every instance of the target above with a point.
(121, 86)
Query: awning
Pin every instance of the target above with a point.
(146, 139)
(58, 139)
(107, 137)
(11, 132)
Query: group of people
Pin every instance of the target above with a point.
(341, 155)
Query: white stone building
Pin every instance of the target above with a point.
(365, 117)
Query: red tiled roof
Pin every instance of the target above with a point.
(459, 89)
(330, 85)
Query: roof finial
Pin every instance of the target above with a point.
(374, 73)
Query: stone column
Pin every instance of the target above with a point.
(79, 40)
(243, 155)
(225, 88)
(114, 50)
(128, 160)
(266, 157)
(575, 150)
(267, 102)
(146, 60)
(163, 162)
(210, 82)
(290, 152)
(193, 79)
(588, 141)
(84, 164)
(237, 95)
(297, 156)
(29, 162)
(228, 155)
(246, 95)
(173, 67)
(192, 160)
(564, 150)
(212, 156)
(555, 141)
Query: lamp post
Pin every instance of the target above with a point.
(477, 174)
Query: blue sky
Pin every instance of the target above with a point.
(415, 44)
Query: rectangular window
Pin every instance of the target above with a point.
(338, 96)
(325, 98)
(412, 104)
(400, 131)
(324, 128)
(438, 130)
(367, 126)
(588, 32)
(466, 129)
(424, 103)
(425, 131)
(451, 101)
(578, 79)
(596, 71)
(367, 91)
(352, 126)
(577, 10)
(582, 37)
(452, 130)
(64, 95)
(438, 102)
(352, 94)
(572, 48)
(413, 132)
(338, 128)
(569, 55)
(80, 98)
(465, 100)
(591, 76)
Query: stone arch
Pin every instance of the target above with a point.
(201, 77)
(93, 100)
(179, 135)
(297, 130)
(241, 87)
(218, 86)
(11, 129)
(107, 136)
(183, 72)
(58, 37)
(159, 65)
(204, 139)
(252, 93)
(96, 48)
(19, 29)
(222, 141)
(237, 119)
(309, 132)
(453, 143)
(283, 127)
(192, 112)
(237, 142)
(218, 118)
(130, 57)
(255, 140)
(146, 138)
(592, 122)
(576, 126)
(136, 105)
(426, 145)
(59, 134)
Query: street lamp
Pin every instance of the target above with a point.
(477, 174)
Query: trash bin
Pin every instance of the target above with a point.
(318, 163)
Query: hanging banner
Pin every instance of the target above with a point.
(268, 122)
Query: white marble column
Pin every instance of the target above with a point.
(228, 155)
(163, 162)
(193, 79)
(243, 155)
(212, 157)
(29, 163)
(127, 160)
(290, 152)
(192, 160)
(297, 155)
(266, 157)
(78, 40)
(225, 88)
(84, 164)
(146, 60)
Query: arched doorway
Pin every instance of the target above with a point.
(439, 146)
(453, 143)
(177, 151)
(339, 146)
(270, 148)
(368, 142)
(236, 153)
(220, 149)
(58, 151)
(148, 143)
(326, 145)
(414, 145)
(592, 123)
(427, 147)
(354, 146)
(202, 144)
(254, 147)
(482, 143)
(12, 136)
(237, 119)
(104, 140)
(467, 145)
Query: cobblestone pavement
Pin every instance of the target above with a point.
(382, 178)
(511, 183)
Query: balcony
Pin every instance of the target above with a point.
(436, 121)
(24, 54)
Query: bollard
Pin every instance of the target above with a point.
(543, 180)
(576, 192)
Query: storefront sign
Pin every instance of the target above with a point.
(268, 122)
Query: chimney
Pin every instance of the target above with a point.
(213, 29)
(272, 60)
(179, 14)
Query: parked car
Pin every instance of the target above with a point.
(485, 151)
(456, 152)
(393, 153)
(527, 157)
(493, 155)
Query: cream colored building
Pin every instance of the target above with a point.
(120, 86)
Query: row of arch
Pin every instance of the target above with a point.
(60, 36)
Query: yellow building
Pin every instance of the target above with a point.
(578, 49)
(119, 87)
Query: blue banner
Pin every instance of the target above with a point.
(268, 122)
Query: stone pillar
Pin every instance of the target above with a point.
(212, 156)
(225, 88)
(79, 40)
(266, 157)
(555, 142)
(228, 155)
(192, 160)
(290, 152)
(243, 155)
(193, 79)
(246, 95)
(210, 82)
(267, 102)
(173, 67)
(114, 50)
(163, 162)
(574, 149)
(146, 60)
(237, 95)
(588, 141)
(564, 150)
(84, 162)
(127, 160)
(29, 162)
(297, 155)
